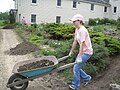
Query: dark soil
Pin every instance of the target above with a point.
(23, 48)
(34, 65)
(9, 27)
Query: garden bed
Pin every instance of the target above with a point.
(23, 48)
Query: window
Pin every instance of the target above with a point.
(74, 4)
(58, 19)
(34, 1)
(105, 9)
(115, 9)
(33, 18)
(58, 2)
(92, 7)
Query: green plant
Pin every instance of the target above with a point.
(98, 28)
(92, 22)
(113, 45)
(118, 23)
(36, 39)
(118, 81)
(59, 31)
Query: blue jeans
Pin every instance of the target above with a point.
(78, 72)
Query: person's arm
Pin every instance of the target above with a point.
(73, 46)
(81, 49)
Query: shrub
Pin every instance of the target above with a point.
(112, 44)
(92, 22)
(118, 23)
(36, 39)
(118, 81)
(97, 21)
(59, 31)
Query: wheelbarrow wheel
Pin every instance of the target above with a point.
(15, 78)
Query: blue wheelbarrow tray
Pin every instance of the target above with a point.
(37, 71)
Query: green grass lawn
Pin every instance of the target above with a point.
(1, 22)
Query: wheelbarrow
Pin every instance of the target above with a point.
(20, 80)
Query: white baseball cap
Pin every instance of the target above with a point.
(77, 17)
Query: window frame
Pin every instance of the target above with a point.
(59, 3)
(115, 9)
(34, 2)
(33, 19)
(58, 19)
(74, 3)
(105, 9)
(92, 7)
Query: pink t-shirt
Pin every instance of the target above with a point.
(82, 35)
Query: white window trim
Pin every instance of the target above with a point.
(34, 4)
(59, 6)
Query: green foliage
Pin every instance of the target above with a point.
(34, 25)
(11, 17)
(97, 59)
(118, 23)
(98, 28)
(92, 22)
(118, 81)
(47, 51)
(90, 69)
(4, 16)
(36, 39)
(97, 21)
(112, 44)
(59, 31)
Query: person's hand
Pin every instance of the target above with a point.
(78, 59)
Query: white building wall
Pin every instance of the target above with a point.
(115, 3)
(47, 10)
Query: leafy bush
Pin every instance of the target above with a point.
(112, 44)
(59, 31)
(118, 81)
(98, 28)
(36, 39)
(97, 21)
(97, 59)
(92, 22)
(118, 23)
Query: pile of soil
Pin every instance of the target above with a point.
(34, 65)
(23, 48)
(9, 27)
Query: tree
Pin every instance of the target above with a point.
(12, 17)
(4, 16)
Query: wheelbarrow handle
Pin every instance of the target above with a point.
(64, 67)
(63, 58)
